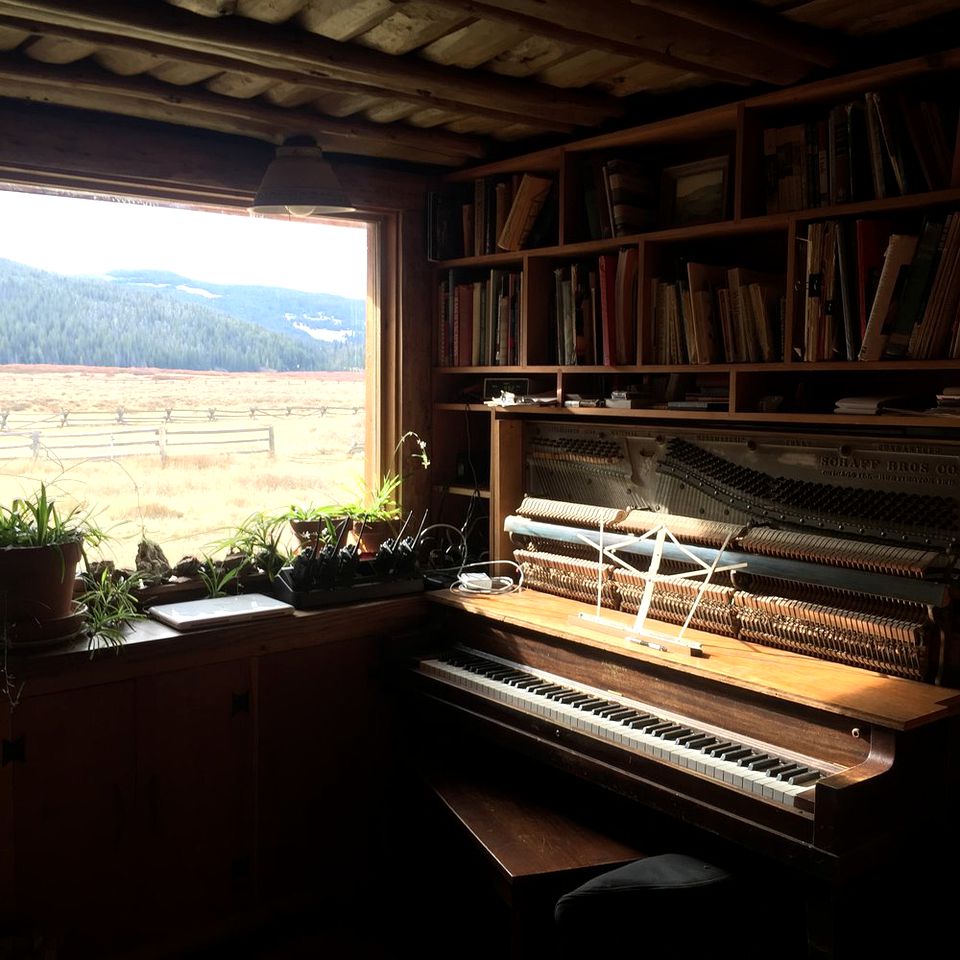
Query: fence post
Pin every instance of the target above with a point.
(162, 442)
(35, 444)
(270, 439)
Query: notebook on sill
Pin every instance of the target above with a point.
(211, 612)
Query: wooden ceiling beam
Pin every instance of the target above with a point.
(248, 44)
(77, 150)
(341, 88)
(751, 21)
(89, 88)
(620, 26)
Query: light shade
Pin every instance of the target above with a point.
(300, 181)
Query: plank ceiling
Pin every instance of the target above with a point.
(441, 82)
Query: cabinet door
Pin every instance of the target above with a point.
(71, 757)
(195, 743)
(319, 753)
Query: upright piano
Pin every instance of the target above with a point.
(797, 703)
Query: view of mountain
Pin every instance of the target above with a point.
(157, 319)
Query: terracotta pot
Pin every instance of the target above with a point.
(37, 586)
(307, 531)
(375, 532)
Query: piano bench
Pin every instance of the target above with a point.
(524, 848)
(673, 901)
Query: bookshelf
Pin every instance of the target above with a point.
(715, 165)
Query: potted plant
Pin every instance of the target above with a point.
(257, 546)
(40, 552)
(109, 603)
(372, 517)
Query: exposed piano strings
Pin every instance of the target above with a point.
(877, 633)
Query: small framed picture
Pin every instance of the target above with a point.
(695, 192)
(494, 386)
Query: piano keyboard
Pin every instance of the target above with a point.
(742, 763)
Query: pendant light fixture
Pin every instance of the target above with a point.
(301, 182)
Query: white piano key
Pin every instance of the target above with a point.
(574, 717)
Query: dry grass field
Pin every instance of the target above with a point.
(189, 500)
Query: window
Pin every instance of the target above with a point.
(178, 369)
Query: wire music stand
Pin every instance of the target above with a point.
(639, 631)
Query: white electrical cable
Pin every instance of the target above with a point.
(484, 585)
(477, 584)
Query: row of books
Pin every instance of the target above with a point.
(914, 312)
(479, 319)
(712, 314)
(491, 215)
(879, 145)
(594, 308)
(620, 197)
(842, 263)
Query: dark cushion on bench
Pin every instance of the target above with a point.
(671, 900)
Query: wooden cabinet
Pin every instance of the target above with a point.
(70, 778)
(195, 781)
(189, 784)
(322, 744)
(770, 365)
(131, 799)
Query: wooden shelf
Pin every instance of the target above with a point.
(462, 490)
(749, 238)
(462, 407)
(773, 366)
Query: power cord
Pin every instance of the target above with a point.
(485, 585)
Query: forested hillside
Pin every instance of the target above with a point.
(47, 318)
(303, 315)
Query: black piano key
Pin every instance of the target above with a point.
(714, 749)
(589, 705)
(523, 684)
(646, 722)
(763, 763)
(669, 728)
(606, 711)
(738, 755)
(750, 757)
(804, 777)
(701, 742)
(783, 768)
(655, 728)
(621, 714)
(724, 752)
(572, 699)
(675, 734)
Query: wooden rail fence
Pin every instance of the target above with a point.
(11, 420)
(126, 441)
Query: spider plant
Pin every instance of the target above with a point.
(36, 521)
(259, 539)
(217, 575)
(110, 602)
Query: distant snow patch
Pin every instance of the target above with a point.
(326, 336)
(197, 291)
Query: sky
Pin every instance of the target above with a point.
(77, 236)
